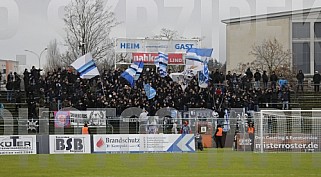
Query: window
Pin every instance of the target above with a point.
(301, 56)
(317, 56)
(317, 30)
(300, 30)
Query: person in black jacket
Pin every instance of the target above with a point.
(265, 79)
(273, 79)
(316, 80)
(300, 78)
(257, 78)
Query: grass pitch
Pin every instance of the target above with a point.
(210, 162)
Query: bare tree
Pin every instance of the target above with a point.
(53, 56)
(88, 25)
(167, 34)
(270, 55)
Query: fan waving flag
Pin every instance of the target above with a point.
(161, 63)
(132, 73)
(86, 66)
(150, 91)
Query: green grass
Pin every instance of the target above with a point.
(211, 162)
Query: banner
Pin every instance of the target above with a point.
(138, 143)
(62, 119)
(69, 144)
(274, 142)
(18, 144)
(154, 45)
(92, 118)
(149, 58)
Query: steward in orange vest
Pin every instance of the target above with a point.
(85, 130)
(251, 131)
(218, 136)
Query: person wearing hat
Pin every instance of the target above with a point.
(316, 81)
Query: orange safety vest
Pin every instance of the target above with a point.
(219, 132)
(84, 130)
(250, 130)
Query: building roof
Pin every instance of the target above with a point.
(272, 15)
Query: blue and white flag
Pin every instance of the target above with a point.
(86, 66)
(150, 91)
(161, 63)
(132, 72)
(194, 60)
(203, 77)
(203, 52)
(139, 70)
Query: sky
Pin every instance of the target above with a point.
(32, 24)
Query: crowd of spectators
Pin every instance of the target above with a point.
(63, 88)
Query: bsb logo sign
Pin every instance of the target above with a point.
(149, 58)
(69, 144)
(23, 144)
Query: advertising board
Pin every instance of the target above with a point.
(69, 144)
(136, 143)
(18, 144)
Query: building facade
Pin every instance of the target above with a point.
(299, 31)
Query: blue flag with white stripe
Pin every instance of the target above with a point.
(86, 66)
(150, 91)
(203, 76)
(161, 63)
(133, 72)
(139, 70)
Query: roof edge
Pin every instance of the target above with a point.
(272, 15)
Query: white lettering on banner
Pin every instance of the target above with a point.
(144, 143)
(149, 58)
(145, 57)
(69, 144)
(295, 142)
(18, 144)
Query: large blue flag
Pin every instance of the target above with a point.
(203, 52)
(194, 58)
(133, 72)
(86, 66)
(150, 91)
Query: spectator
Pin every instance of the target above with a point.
(285, 99)
(9, 87)
(265, 80)
(186, 129)
(300, 78)
(257, 78)
(273, 79)
(249, 74)
(282, 82)
(316, 81)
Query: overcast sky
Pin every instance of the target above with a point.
(32, 24)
